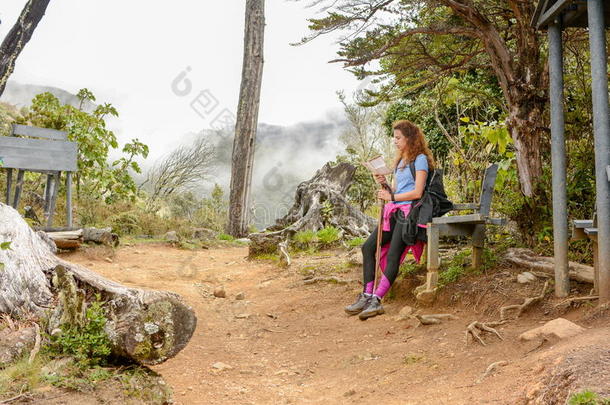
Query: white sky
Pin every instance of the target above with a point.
(128, 52)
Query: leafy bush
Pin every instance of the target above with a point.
(587, 398)
(89, 343)
(328, 235)
(457, 268)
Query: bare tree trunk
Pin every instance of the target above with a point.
(18, 36)
(247, 119)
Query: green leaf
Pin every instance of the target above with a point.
(5, 245)
(465, 119)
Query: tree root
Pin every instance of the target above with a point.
(490, 369)
(434, 319)
(476, 327)
(526, 304)
(284, 256)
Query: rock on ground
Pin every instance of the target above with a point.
(171, 236)
(559, 328)
(13, 343)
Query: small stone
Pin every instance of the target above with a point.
(240, 296)
(526, 277)
(349, 393)
(221, 366)
(559, 328)
(242, 316)
(219, 292)
(109, 260)
(281, 372)
(171, 236)
(405, 313)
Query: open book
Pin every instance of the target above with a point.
(377, 166)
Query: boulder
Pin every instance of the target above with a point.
(204, 234)
(559, 328)
(171, 236)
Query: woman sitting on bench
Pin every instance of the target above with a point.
(411, 148)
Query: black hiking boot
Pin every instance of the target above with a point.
(359, 305)
(373, 308)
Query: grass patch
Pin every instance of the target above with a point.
(587, 398)
(224, 236)
(21, 376)
(412, 358)
(267, 256)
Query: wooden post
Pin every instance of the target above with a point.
(47, 194)
(18, 188)
(433, 264)
(69, 199)
(9, 185)
(56, 178)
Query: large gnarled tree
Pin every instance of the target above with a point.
(410, 43)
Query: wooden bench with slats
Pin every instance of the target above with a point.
(39, 150)
(469, 225)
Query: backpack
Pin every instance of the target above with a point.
(433, 203)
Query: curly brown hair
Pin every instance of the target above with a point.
(416, 144)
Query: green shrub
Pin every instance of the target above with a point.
(89, 343)
(305, 237)
(458, 267)
(224, 236)
(328, 235)
(356, 242)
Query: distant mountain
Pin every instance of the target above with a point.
(21, 95)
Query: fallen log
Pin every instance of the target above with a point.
(527, 258)
(97, 235)
(145, 325)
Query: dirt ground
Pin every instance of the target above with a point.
(291, 343)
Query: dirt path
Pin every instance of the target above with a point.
(288, 343)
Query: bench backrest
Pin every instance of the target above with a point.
(36, 132)
(487, 189)
(43, 150)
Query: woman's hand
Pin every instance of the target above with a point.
(380, 178)
(384, 195)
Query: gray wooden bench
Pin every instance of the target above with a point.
(587, 229)
(470, 225)
(39, 150)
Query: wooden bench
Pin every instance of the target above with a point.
(470, 225)
(39, 150)
(587, 229)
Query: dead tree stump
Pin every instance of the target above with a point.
(319, 202)
(145, 325)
